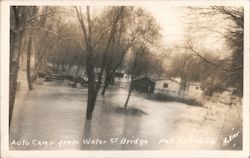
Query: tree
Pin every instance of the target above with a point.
(32, 11)
(235, 43)
(184, 66)
(142, 61)
(28, 63)
(19, 15)
(45, 36)
(87, 26)
(204, 67)
(122, 42)
(229, 34)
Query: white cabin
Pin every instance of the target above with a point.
(173, 87)
(169, 86)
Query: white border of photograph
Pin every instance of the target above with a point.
(5, 19)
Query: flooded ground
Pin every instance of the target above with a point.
(52, 117)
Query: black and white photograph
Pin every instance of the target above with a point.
(129, 77)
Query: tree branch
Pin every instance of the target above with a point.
(56, 35)
(203, 58)
(113, 30)
(80, 18)
(45, 14)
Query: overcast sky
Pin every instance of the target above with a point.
(169, 18)
(173, 21)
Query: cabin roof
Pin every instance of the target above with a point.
(143, 78)
(171, 79)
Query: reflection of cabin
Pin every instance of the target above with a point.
(144, 84)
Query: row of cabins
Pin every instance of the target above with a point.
(150, 84)
(154, 84)
(165, 85)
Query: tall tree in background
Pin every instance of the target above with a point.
(29, 49)
(141, 60)
(43, 41)
(231, 33)
(124, 38)
(32, 12)
(235, 43)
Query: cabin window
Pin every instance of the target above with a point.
(165, 85)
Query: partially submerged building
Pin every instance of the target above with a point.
(144, 84)
(168, 85)
(175, 87)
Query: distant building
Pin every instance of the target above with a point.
(167, 85)
(175, 87)
(194, 89)
(144, 84)
(119, 74)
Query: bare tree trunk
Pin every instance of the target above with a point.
(77, 70)
(15, 51)
(129, 94)
(110, 73)
(14, 65)
(108, 68)
(133, 75)
(92, 93)
(28, 64)
(39, 63)
(68, 69)
(76, 74)
(106, 83)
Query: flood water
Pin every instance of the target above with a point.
(52, 117)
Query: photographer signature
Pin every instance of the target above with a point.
(227, 140)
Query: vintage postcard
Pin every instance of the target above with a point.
(124, 78)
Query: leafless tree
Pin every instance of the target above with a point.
(147, 35)
(87, 26)
(19, 19)
(230, 32)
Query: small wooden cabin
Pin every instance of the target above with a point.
(144, 84)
